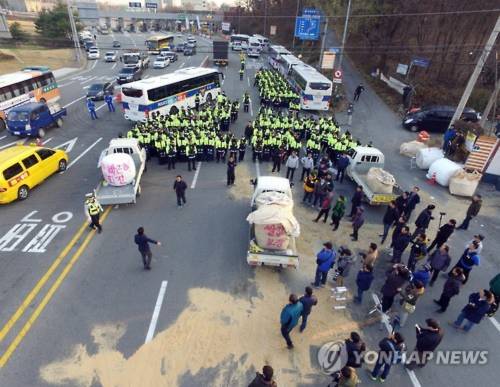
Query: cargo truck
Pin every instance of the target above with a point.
(221, 50)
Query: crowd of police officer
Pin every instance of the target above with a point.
(199, 134)
(275, 91)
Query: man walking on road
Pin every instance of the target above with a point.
(357, 92)
(231, 166)
(308, 300)
(91, 109)
(324, 261)
(291, 164)
(109, 101)
(93, 210)
(290, 317)
(472, 212)
(142, 241)
(451, 288)
(180, 187)
(356, 200)
(428, 340)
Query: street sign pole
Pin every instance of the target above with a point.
(344, 35)
(323, 42)
(296, 17)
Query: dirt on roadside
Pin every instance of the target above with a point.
(13, 59)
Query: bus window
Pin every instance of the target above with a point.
(319, 86)
(129, 92)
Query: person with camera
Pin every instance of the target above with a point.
(428, 339)
(346, 377)
(400, 243)
(409, 297)
(264, 379)
(423, 220)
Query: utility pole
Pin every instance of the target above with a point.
(344, 35)
(323, 41)
(76, 42)
(492, 102)
(265, 18)
(477, 70)
(296, 16)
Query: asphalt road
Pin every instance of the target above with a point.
(100, 281)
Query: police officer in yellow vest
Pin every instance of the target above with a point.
(93, 210)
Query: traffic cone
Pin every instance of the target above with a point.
(432, 180)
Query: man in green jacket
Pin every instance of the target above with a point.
(338, 212)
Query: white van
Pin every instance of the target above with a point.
(254, 48)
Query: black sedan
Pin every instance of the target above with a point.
(116, 44)
(189, 51)
(180, 47)
(97, 91)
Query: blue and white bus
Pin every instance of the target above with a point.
(275, 54)
(314, 88)
(168, 93)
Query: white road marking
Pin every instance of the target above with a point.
(257, 167)
(112, 67)
(47, 141)
(104, 104)
(66, 84)
(12, 143)
(182, 65)
(83, 153)
(40, 242)
(195, 178)
(68, 145)
(156, 312)
(93, 66)
(88, 80)
(28, 218)
(251, 108)
(146, 77)
(72, 102)
(86, 87)
(248, 81)
(495, 323)
(1, 138)
(15, 236)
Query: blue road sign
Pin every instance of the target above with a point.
(307, 28)
(310, 12)
(151, 5)
(421, 62)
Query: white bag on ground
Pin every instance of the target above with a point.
(426, 156)
(444, 170)
(380, 181)
(465, 183)
(411, 148)
(118, 169)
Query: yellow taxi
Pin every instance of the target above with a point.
(23, 167)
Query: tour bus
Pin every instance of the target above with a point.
(241, 39)
(157, 42)
(29, 85)
(275, 53)
(314, 88)
(168, 93)
(264, 42)
(286, 62)
(254, 47)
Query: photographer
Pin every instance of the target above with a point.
(443, 233)
(344, 264)
(428, 340)
(423, 220)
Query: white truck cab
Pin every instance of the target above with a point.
(271, 184)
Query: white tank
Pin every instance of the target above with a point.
(118, 169)
(444, 170)
(426, 156)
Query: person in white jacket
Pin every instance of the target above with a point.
(307, 166)
(292, 164)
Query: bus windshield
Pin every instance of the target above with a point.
(319, 86)
(131, 92)
(130, 58)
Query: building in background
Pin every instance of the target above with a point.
(196, 5)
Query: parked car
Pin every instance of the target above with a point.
(129, 74)
(93, 53)
(172, 56)
(161, 62)
(180, 47)
(190, 45)
(435, 118)
(110, 56)
(97, 91)
(116, 44)
(88, 44)
(189, 51)
(192, 41)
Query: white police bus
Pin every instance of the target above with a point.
(239, 42)
(287, 62)
(254, 47)
(169, 93)
(275, 54)
(314, 88)
(264, 42)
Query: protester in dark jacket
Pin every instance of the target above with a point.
(451, 288)
(423, 220)
(400, 223)
(428, 339)
(400, 244)
(472, 212)
(357, 222)
(469, 259)
(344, 263)
(364, 280)
(396, 278)
(180, 187)
(390, 217)
(289, 318)
(439, 261)
(443, 234)
(391, 350)
(142, 242)
(479, 305)
(356, 200)
(326, 204)
(264, 379)
(418, 251)
(401, 202)
(354, 347)
(413, 200)
(325, 260)
(308, 300)
(342, 164)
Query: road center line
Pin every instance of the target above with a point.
(495, 323)
(182, 65)
(72, 102)
(12, 143)
(88, 80)
(66, 84)
(257, 168)
(112, 67)
(251, 108)
(1, 138)
(248, 81)
(195, 178)
(100, 107)
(83, 153)
(34, 292)
(156, 312)
(39, 309)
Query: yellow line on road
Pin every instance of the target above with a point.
(39, 309)
(34, 292)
